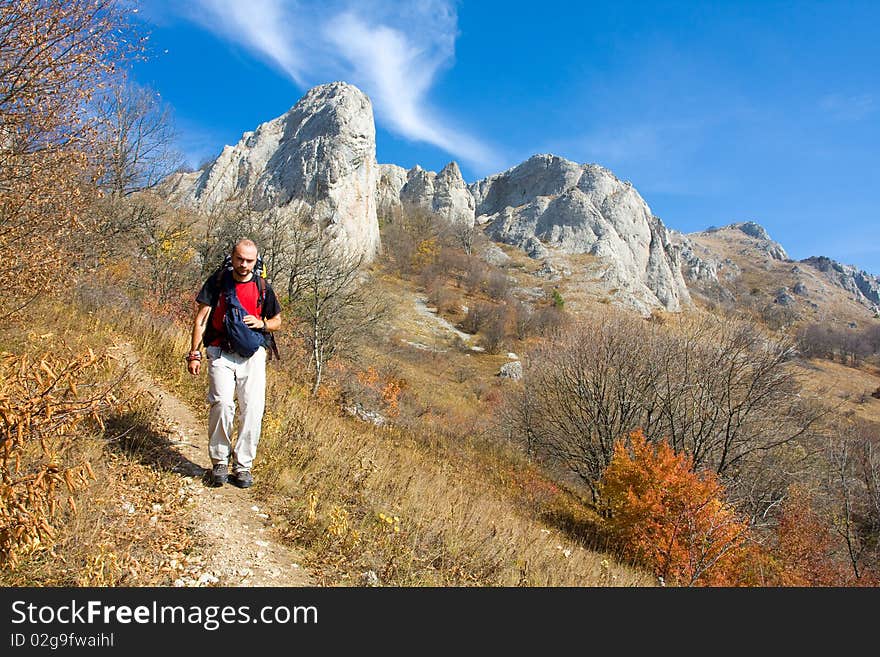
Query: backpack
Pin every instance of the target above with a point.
(240, 338)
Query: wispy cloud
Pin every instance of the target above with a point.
(392, 51)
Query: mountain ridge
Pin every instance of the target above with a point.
(318, 159)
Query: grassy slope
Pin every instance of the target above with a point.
(432, 501)
(468, 512)
(131, 524)
(762, 276)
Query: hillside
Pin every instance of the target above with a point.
(525, 380)
(732, 267)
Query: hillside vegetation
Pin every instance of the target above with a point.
(712, 447)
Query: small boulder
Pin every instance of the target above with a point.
(495, 256)
(512, 370)
(783, 298)
(369, 578)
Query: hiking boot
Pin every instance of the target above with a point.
(219, 474)
(243, 479)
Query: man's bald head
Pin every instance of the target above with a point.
(245, 246)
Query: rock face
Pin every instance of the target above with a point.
(443, 194)
(551, 201)
(318, 161)
(762, 237)
(392, 178)
(862, 285)
(697, 268)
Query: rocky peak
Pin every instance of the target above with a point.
(392, 178)
(443, 194)
(761, 239)
(864, 287)
(318, 160)
(753, 229)
(540, 175)
(548, 201)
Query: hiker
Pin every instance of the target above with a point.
(233, 373)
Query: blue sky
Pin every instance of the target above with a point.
(716, 111)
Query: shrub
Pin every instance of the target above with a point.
(497, 285)
(47, 403)
(805, 545)
(664, 515)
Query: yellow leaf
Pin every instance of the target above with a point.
(45, 367)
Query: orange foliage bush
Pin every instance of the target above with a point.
(667, 517)
(805, 546)
(387, 389)
(803, 551)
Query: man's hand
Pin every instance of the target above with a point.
(253, 322)
(194, 367)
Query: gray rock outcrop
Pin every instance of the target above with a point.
(391, 180)
(864, 287)
(443, 194)
(512, 370)
(783, 298)
(548, 201)
(762, 239)
(753, 229)
(318, 161)
(695, 267)
(493, 254)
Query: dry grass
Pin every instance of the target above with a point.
(465, 514)
(413, 512)
(432, 502)
(127, 527)
(847, 387)
(762, 276)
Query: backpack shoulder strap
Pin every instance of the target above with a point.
(261, 289)
(226, 283)
(220, 279)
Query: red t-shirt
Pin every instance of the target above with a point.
(248, 295)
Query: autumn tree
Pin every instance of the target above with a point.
(54, 56)
(410, 239)
(328, 296)
(852, 495)
(665, 515)
(804, 545)
(720, 392)
(139, 132)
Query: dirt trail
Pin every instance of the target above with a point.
(233, 532)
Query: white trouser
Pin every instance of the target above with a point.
(235, 377)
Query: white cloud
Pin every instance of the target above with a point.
(392, 51)
(258, 24)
